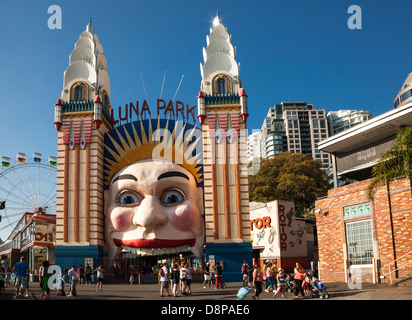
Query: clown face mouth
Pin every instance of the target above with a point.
(154, 243)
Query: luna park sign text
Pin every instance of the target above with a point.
(171, 108)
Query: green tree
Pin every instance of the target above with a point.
(291, 177)
(396, 163)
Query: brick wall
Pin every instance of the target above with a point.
(391, 215)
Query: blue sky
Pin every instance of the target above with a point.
(289, 50)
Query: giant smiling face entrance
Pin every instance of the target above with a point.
(154, 193)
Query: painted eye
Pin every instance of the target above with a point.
(172, 197)
(128, 199)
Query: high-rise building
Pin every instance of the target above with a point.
(342, 120)
(405, 94)
(253, 146)
(295, 127)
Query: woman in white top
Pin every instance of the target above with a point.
(188, 279)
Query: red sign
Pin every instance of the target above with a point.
(282, 225)
(260, 223)
(43, 237)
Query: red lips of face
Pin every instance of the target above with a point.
(154, 243)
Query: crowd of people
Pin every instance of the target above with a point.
(18, 277)
(275, 279)
(179, 279)
(173, 279)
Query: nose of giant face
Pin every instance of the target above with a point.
(149, 213)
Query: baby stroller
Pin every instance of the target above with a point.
(316, 288)
(289, 284)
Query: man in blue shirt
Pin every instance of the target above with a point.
(21, 269)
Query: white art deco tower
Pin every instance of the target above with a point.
(82, 116)
(223, 112)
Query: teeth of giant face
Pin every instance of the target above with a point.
(156, 251)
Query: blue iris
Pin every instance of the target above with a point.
(172, 197)
(128, 200)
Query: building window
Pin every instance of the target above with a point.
(78, 93)
(221, 86)
(106, 102)
(359, 242)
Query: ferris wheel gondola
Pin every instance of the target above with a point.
(26, 185)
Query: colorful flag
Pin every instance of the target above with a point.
(37, 157)
(52, 161)
(5, 161)
(21, 157)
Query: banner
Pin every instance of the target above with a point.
(363, 158)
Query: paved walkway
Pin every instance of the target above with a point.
(337, 291)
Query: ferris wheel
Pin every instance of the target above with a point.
(26, 185)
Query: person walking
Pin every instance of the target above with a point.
(183, 279)
(275, 274)
(22, 270)
(7, 278)
(269, 278)
(206, 276)
(175, 275)
(88, 273)
(131, 278)
(281, 283)
(60, 281)
(245, 273)
(41, 278)
(265, 279)
(46, 274)
(164, 279)
(80, 274)
(257, 282)
(218, 275)
(99, 275)
(73, 281)
(2, 278)
(188, 279)
(298, 279)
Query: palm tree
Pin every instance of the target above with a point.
(396, 163)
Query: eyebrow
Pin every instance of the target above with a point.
(172, 174)
(125, 177)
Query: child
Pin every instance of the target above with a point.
(305, 285)
(7, 279)
(131, 279)
(60, 291)
(2, 276)
(281, 278)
